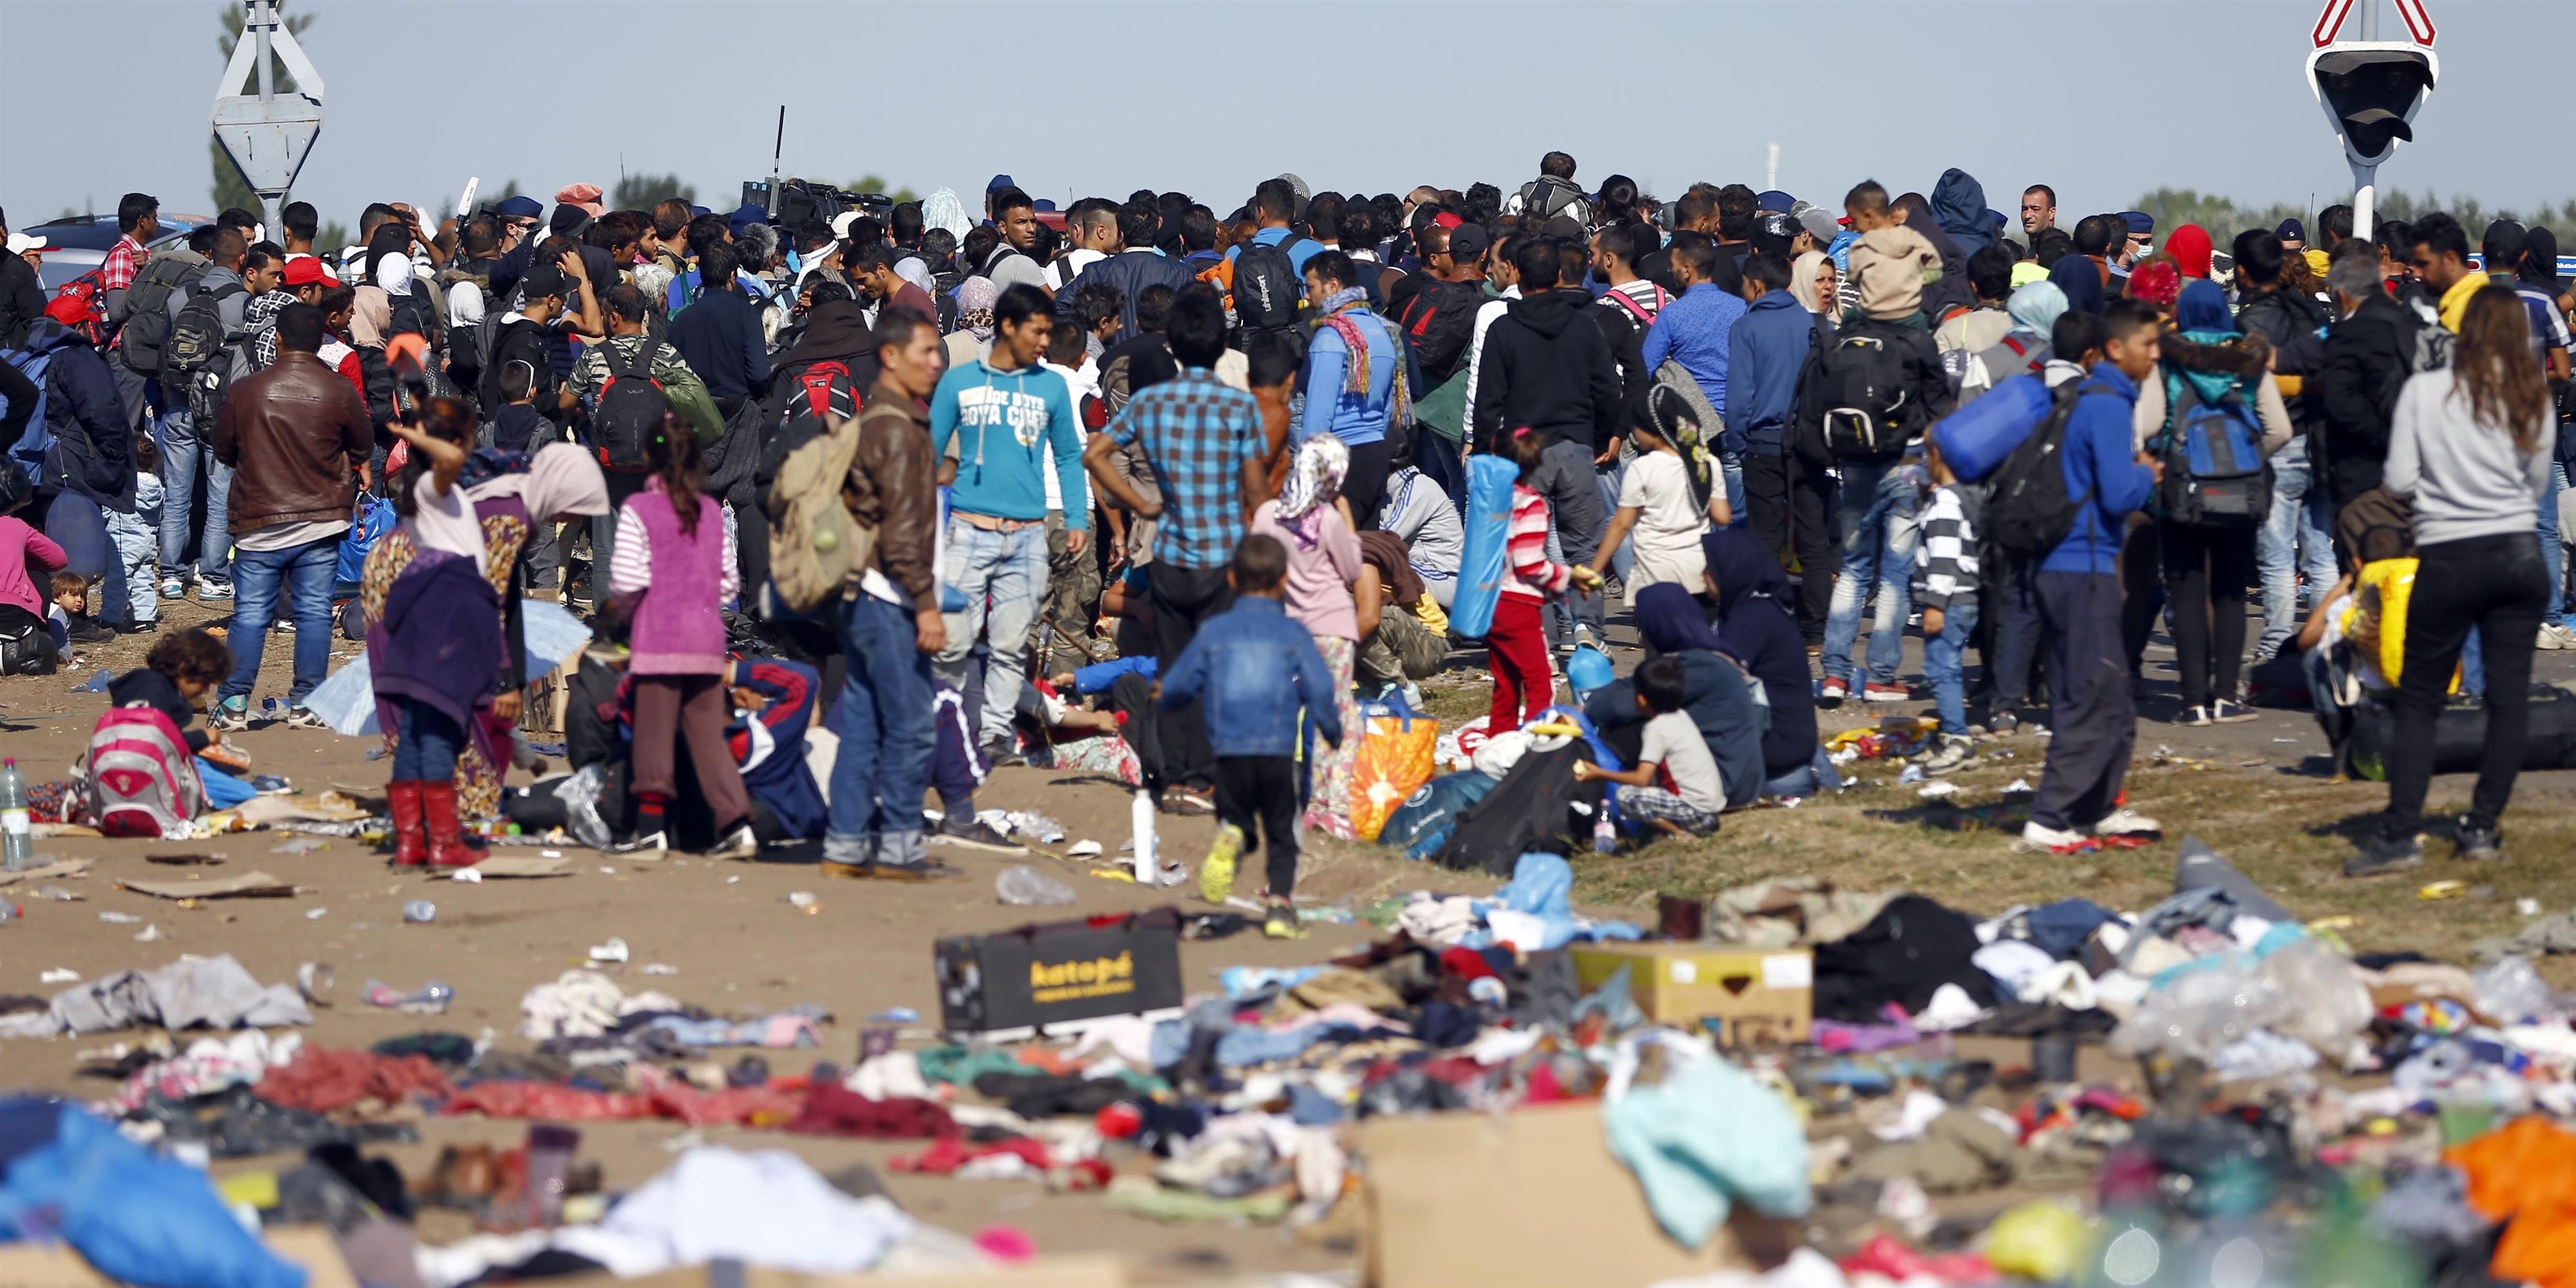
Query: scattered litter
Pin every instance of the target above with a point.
(2527, 907)
(896, 1015)
(550, 854)
(119, 918)
(2017, 787)
(430, 999)
(1912, 774)
(1025, 886)
(612, 951)
(420, 912)
(1942, 790)
(658, 968)
(607, 871)
(315, 980)
(505, 867)
(1083, 849)
(467, 875)
(315, 914)
(58, 894)
(54, 868)
(184, 860)
(804, 901)
(2443, 890)
(148, 934)
(2292, 741)
(58, 975)
(299, 845)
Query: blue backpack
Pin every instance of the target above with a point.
(2215, 474)
(28, 453)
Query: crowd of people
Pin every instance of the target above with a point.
(1142, 487)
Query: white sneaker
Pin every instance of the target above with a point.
(2555, 636)
(2040, 836)
(2121, 822)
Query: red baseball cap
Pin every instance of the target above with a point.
(307, 270)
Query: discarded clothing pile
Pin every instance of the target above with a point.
(192, 992)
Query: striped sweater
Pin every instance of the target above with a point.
(1945, 556)
(1534, 575)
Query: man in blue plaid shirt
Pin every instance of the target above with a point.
(1204, 441)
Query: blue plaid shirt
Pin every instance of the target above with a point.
(1197, 432)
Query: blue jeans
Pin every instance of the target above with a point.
(1945, 665)
(136, 544)
(1731, 464)
(2297, 537)
(1817, 775)
(79, 525)
(884, 721)
(2552, 556)
(1003, 577)
(304, 573)
(425, 749)
(1878, 502)
(1609, 478)
(182, 451)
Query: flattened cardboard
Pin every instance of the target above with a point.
(249, 885)
(49, 872)
(1473, 1200)
(501, 866)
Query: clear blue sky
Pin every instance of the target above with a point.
(2105, 99)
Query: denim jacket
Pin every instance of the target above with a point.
(1251, 667)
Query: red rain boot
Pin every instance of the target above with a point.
(411, 845)
(447, 847)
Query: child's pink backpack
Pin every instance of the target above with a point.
(138, 777)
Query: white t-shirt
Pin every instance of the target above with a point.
(1069, 265)
(1079, 383)
(1673, 742)
(1665, 541)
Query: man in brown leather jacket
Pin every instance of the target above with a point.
(890, 622)
(297, 438)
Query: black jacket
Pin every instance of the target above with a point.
(2290, 321)
(1627, 340)
(1128, 272)
(2367, 358)
(147, 687)
(720, 336)
(22, 301)
(1547, 367)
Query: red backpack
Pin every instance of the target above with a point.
(81, 304)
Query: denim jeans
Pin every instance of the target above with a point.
(1730, 464)
(425, 748)
(2553, 557)
(2297, 537)
(884, 720)
(137, 547)
(79, 525)
(1003, 577)
(182, 451)
(304, 574)
(1610, 478)
(1817, 775)
(1945, 665)
(1878, 502)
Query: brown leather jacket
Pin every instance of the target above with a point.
(296, 436)
(891, 489)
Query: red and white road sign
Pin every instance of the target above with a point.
(2419, 24)
(2331, 21)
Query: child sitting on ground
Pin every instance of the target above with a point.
(1251, 668)
(176, 675)
(1673, 746)
(1945, 588)
(69, 617)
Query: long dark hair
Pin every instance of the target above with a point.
(446, 419)
(673, 457)
(2494, 367)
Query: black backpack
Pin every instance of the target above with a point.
(1439, 321)
(147, 310)
(2027, 509)
(1266, 286)
(823, 393)
(630, 412)
(1860, 391)
(196, 359)
(1547, 196)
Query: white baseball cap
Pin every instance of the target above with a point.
(21, 243)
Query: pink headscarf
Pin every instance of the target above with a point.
(586, 196)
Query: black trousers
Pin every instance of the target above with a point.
(1364, 485)
(1134, 695)
(2500, 586)
(2095, 725)
(2012, 614)
(1262, 791)
(2207, 571)
(1790, 504)
(1183, 598)
(2142, 577)
(1439, 461)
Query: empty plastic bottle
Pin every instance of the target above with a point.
(429, 999)
(420, 912)
(17, 839)
(1025, 886)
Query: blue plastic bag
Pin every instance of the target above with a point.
(1483, 566)
(372, 519)
(137, 1219)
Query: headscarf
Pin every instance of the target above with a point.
(2157, 282)
(975, 298)
(2539, 258)
(555, 480)
(2189, 246)
(2036, 307)
(1743, 568)
(259, 317)
(1672, 621)
(1314, 479)
(393, 273)
(2080, 280)
(584, 195)
(370, 316)
(1802, 282)
(2202, 308)
(942, 209)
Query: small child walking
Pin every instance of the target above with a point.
(137, 538)
(673, 569)
(1516, 644)
(1251, 668)
(1945, 588)
(1673, 750)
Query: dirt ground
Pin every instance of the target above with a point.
(2253, 791)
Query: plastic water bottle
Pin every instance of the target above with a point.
(1605, 837)
(1025, 886)
(1140, 827)
(420, 912)
(17, 841)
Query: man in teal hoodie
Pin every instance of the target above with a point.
(1006, 412)
(2094, 715)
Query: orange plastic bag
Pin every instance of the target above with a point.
(1394, 761)
(2526, 1172)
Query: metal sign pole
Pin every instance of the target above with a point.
(263, 15)
(2365, 195)
(268, 134)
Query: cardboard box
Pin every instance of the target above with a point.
(1762, 998)
(1053, 978)
(1473, 1200)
